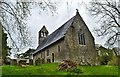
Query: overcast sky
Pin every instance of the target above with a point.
(64, 13)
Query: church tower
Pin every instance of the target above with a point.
(43, 33)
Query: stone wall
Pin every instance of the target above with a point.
(53, 49)
(84, 54)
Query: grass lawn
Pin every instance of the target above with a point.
(52, 69)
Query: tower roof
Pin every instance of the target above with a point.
(44, 29)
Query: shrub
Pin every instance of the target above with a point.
(39, 61)
(113, 61)
(22, 62)
(67, 65)
(104, 59)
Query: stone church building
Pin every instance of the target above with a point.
(72, 41)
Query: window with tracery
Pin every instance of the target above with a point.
(81, 37)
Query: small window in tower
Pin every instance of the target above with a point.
(47, 52)
(58, 48)
(42, 34)
(81, 38)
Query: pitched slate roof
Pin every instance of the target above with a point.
(44, 29)
(55, 36)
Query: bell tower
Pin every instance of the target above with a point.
(43, 33)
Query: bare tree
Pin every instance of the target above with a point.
(13, 16)
(108, 15)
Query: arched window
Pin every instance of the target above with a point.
(81, 37)
(58, 48)
(42, 34)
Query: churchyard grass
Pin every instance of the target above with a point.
(52, 69)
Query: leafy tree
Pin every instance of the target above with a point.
(104, 59)
(105, 55)
(13, 16)
(108, 14)
(5, 48)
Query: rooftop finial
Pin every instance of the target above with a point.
(77, 11)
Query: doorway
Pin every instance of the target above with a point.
(53, 57)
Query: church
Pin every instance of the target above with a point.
(72, 41)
